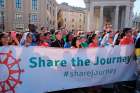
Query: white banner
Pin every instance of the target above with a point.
(40, 70)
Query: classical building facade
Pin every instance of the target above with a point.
(136, 21)
(118, 13)
(74, 17)
(17, 14)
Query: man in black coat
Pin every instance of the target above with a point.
(138, 42)
(137, 46)
(59, 42)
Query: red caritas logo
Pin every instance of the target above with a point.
(10, 73)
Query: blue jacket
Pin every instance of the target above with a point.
(67, 45)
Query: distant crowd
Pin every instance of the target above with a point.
(64, 38)
(70, 39)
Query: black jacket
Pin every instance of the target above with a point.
(137, 45)
(58, 43)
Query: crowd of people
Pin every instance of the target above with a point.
(72, 39)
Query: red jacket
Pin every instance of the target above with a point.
(126, 41)
(44, 44)
(93, 45)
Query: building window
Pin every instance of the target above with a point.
(53, 12)
(72, 26)
(72, 20)
(34, 5)
(19, 27)
(50, 10)
(34, 18)
(50, 22)
(48, 6)
(50, 2)
(1, 21)
(53, 22)
(1, 3)
(18, 17)
(1, 16)
(18, 4)
(47, 19)
(84, 20)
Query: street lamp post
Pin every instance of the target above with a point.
(2, 25)
(29, 18)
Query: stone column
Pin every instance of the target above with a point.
(131, 17)
(92, 22)
(101, 18)
(116, 17)
(56, 25)
(127, 13)
(88, 18)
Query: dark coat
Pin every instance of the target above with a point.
(58, 43)
(137, 45)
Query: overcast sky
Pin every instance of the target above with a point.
(80, 3)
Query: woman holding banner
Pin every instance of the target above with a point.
(95, 42)
(4, 39)
(127, 38)
(107, 39)
(27, 40)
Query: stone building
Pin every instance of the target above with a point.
(17, 14)
(74, 17)
(118, 13)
